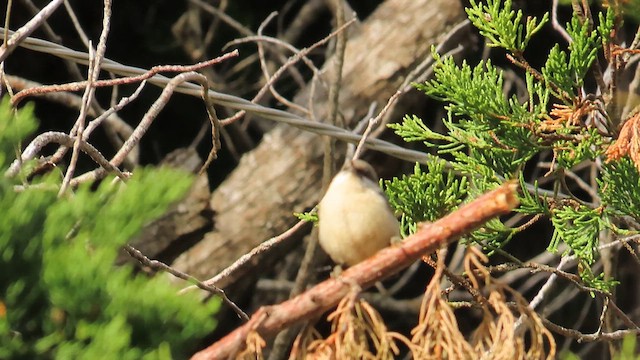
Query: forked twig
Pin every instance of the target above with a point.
(148, 119)
(66, 140)
(87, 98)
(373, 123)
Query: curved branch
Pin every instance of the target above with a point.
(63, 139)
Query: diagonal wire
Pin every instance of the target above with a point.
(230, 101)
(238, 103)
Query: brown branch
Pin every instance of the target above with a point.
(271, 319)
(79, 85)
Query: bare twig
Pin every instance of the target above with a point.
(158, 265)
(269, 39)
(114, 109)
(119, 126)
(76, 25)
(79, 125)
(338, 58)
(19, 35)
(424, 70)
(540, 296)
(222, 16)
(556, 25)
(270, 80)
(45, 25)
(581, 337)
(235, 270)
(148, 119)
(63, 139)
(292, 60)
(233, 102)
(215, 126)
(374, 122)
(116, 128)
(94, 73)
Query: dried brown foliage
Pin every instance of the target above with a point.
(356, 328)
(359, 331)
(628, 142)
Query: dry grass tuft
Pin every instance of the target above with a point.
(509, 328)
(357, 331)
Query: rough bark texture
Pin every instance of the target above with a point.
(283, 174)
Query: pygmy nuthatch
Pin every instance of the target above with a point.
(355, 219)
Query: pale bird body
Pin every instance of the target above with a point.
(355, 219)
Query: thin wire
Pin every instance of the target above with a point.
(238, 103)
(234, 102)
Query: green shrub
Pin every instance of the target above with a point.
(61, 296)
(491, 138)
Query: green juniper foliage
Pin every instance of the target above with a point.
(490, 137)
(503, 26)
(424, 196)
(61, 296)
(310, 216)
(617, 191)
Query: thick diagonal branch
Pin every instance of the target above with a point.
(269, 320)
